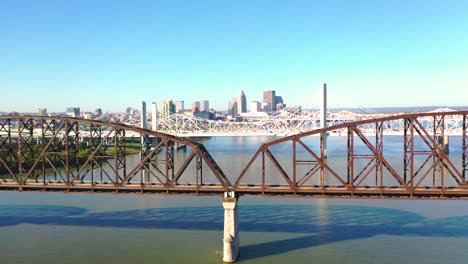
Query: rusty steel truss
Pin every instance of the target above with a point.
(69, 154)
(421, 168)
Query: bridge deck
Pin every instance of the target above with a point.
(460, 192)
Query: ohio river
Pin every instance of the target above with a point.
(105, 228)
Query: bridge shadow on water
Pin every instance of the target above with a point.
(316, 225)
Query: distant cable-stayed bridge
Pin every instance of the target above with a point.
(286, 123)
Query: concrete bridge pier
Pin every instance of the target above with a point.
(444, 143)
(231, 228)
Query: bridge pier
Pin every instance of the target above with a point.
(231, 228)
(444, 143)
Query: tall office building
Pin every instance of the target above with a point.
(179, 106)
(168, 108)
(196, 106)
(242, 102)
(204, 106)
(201, 106)
(42, 112)
(232, 107)
(269, 97)
(238, 105)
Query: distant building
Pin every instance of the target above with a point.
(42, 112)
(279, 100)
(232, 107)
(87, 115)
(201, 106)
(128, 111)
(204, 114)
(272, 102)
(73, 111)
(179, 106)
(255, 106)
(196, 106)
(279, 103)
(269, 97)
(238, 105)
(154, 117)
(168, 108)
(205, 106)
(280, 107)
(242, 102)
(98, 112)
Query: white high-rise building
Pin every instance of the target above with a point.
(255, 106)
(179, 106)
(205, 105)
(154, 117)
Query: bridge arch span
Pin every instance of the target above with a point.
(358, 164)
(73, 154)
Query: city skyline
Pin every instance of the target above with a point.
(114, 54)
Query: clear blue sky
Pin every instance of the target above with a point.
(112, 54)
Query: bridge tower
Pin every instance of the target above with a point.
(143, 114)
(323, 114)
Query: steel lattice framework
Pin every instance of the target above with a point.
(428, 171)
(68, 154)
(289, 124)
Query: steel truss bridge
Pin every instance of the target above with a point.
(286, 124)
(77, 155)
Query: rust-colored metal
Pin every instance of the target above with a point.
(409, 183)
(464, 147)
(379, 145)
(43, 154)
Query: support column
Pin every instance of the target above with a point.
(231, 228)
(446, 144)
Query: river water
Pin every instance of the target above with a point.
(105, 228)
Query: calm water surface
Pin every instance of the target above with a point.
(105, 228)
